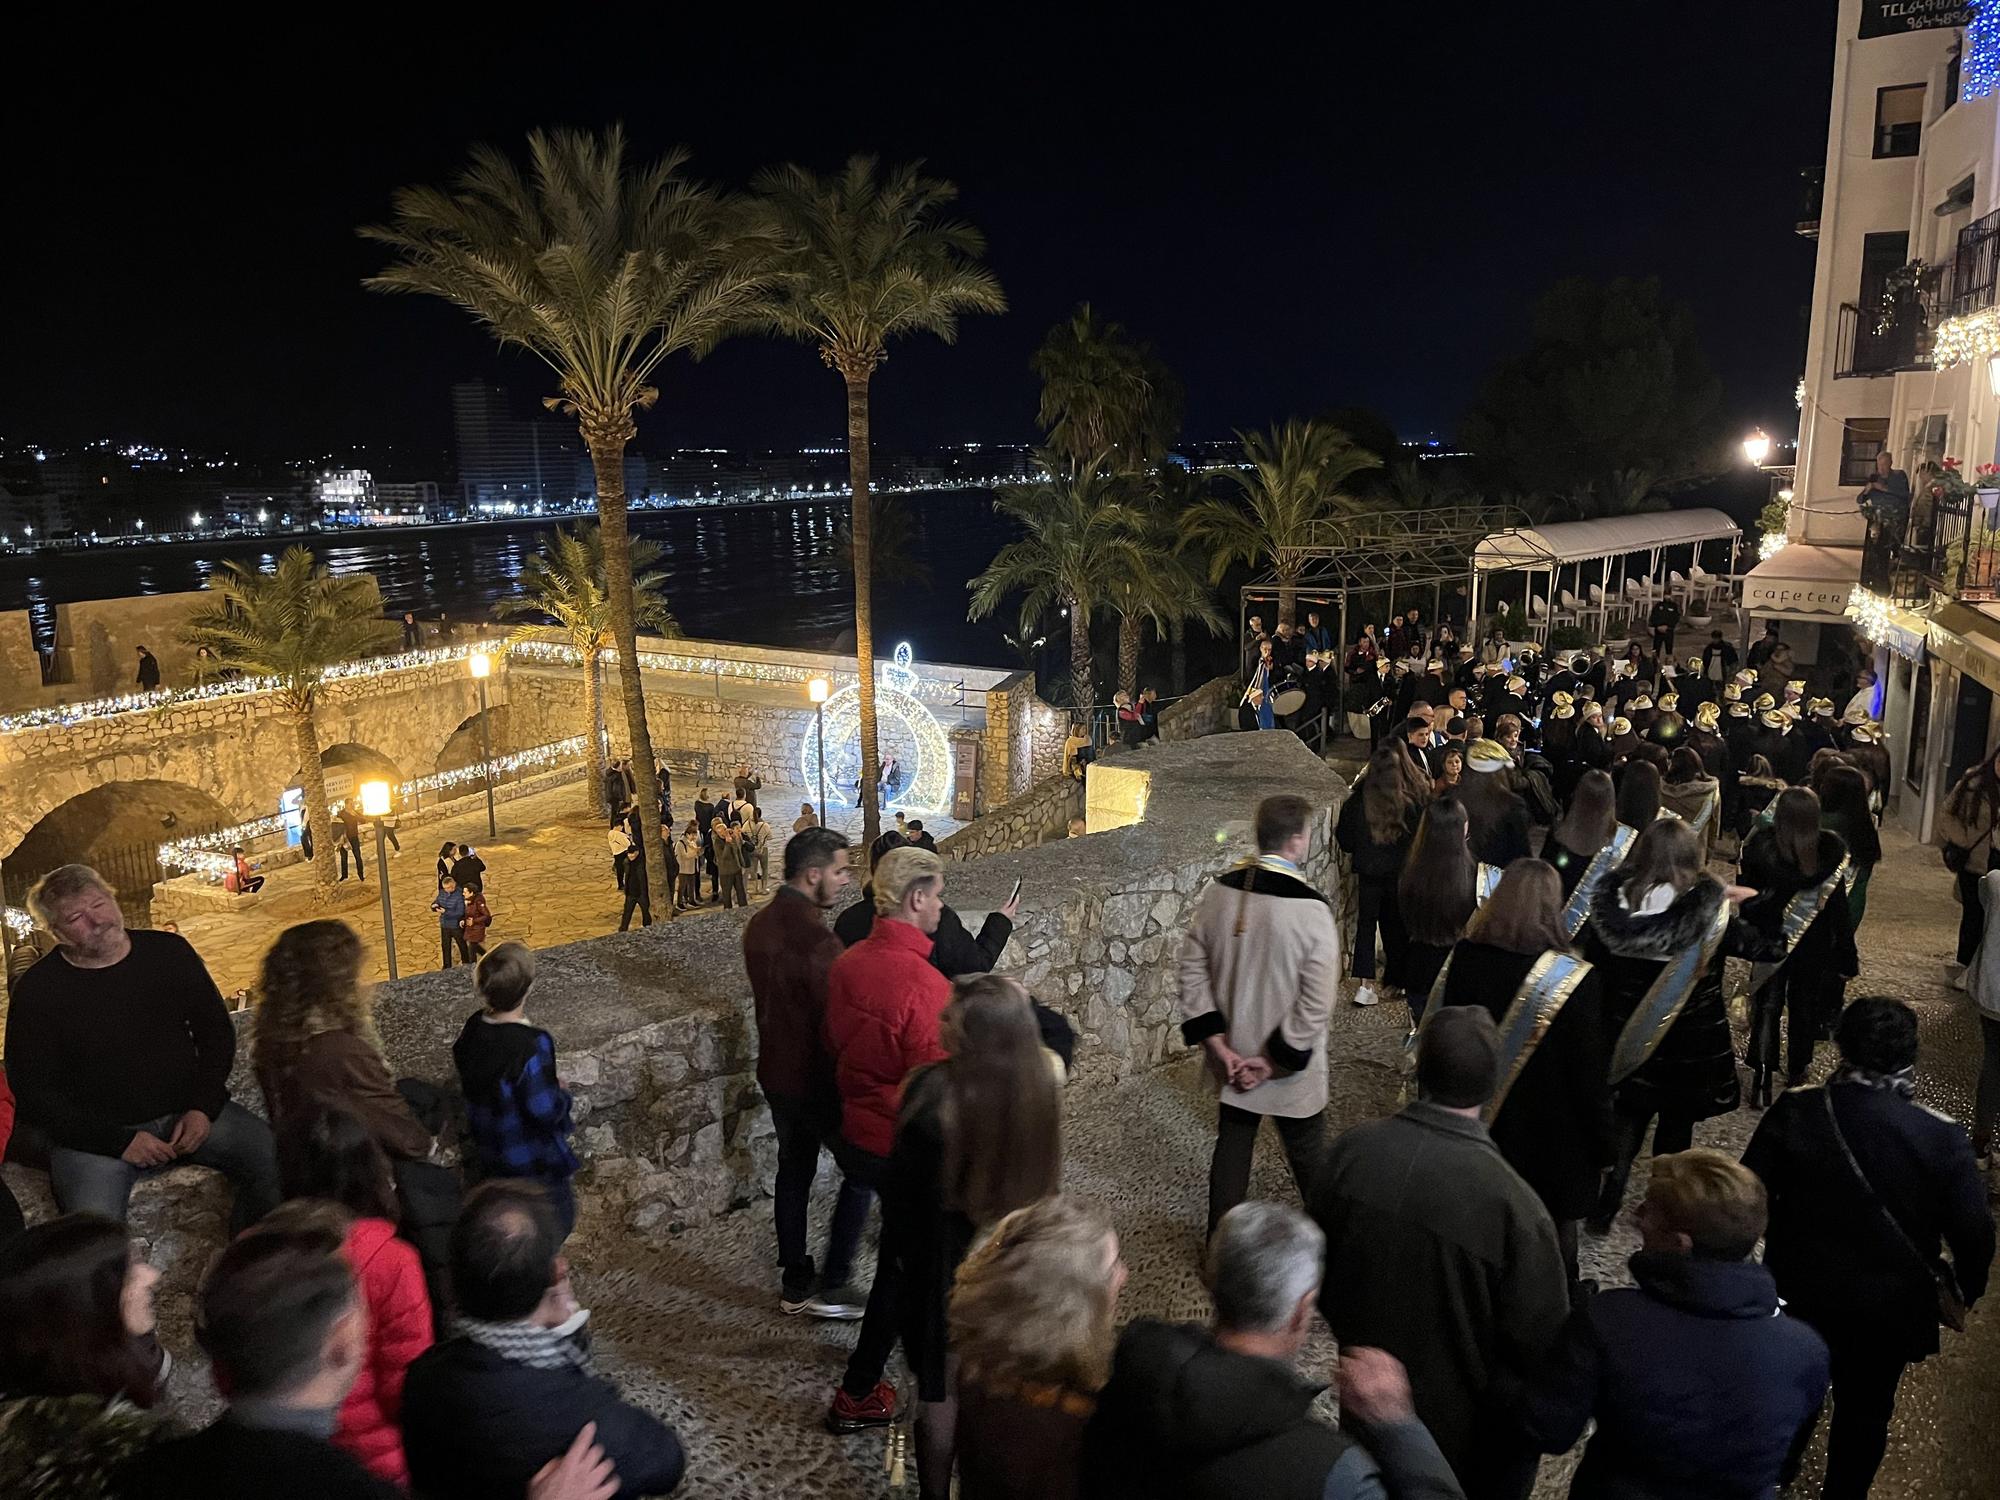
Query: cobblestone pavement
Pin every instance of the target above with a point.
(690, 1324)
(548, 881)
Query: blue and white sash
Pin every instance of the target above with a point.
(1607, 859)
(1661, 1005)
(1544, 991)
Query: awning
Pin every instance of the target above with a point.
(1803, 582)
(1579, 541)
(1967, 637)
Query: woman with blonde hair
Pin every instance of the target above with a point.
(1031, 1326)
(315, 1045)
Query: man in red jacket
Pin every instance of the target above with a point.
(788, 949)
(883, 1000)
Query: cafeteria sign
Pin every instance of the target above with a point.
(1894, 17)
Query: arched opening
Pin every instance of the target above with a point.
(464, 748)
(116, 829)
(346, 766)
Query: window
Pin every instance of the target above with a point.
(1861, 438)
(1951, 80)
(1899, 119)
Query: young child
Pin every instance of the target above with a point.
(450, 909)
(516, 1107)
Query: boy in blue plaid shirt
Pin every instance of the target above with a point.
(517, 1108)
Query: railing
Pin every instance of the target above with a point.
(1974, 270)
(1948, 545)
(1885, 339)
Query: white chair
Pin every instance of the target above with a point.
(1702, 585)
(1538, 617)
(1570, 611)
(1681, 589)
(1608, 607)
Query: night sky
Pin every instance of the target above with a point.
(1360, 213)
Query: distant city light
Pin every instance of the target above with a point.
(197, 520)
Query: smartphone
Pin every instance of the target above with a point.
(1015, 894)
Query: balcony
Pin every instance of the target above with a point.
(1812, 192)
(1948, 546)
(1893, 336)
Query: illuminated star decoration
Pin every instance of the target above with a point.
(912, 733)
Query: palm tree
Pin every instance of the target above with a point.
(1292, 485)
(565, 583)
(291, 624)
(1162, 587)
(867, 258)
(1079, 547)
(1103, 393)
(1172, 496)
(601, 267)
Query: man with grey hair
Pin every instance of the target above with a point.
(1222, 1411)
(1437, 1252)
(119, 1048)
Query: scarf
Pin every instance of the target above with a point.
(527, 1344)
(1902, 1082)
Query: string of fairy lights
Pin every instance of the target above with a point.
(203, 854)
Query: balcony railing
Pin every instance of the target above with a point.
(1974, 270)
(1948, 546)
(1875, 341)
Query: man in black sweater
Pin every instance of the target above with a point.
(119, 1049)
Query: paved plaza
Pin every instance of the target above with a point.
(548, 881)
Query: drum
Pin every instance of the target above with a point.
(1288, 700)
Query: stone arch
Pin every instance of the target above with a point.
(346, 765)
(114, 827)
(463, 746)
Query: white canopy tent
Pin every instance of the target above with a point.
(1614, 540)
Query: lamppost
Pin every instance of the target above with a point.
(375, 804)
(1757, 448)
(482, 667)
(819, 690)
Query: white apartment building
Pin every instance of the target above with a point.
(1903, 355)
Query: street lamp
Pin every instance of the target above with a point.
(819, 690)
(482, 667)
(1757, 448)
(375, 804)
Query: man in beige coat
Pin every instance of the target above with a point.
(1259, 970)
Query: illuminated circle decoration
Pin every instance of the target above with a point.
(904, 728)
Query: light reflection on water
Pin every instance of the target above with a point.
(763, 574)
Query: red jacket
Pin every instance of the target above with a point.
(399, 1329)
(788, 950)
(6, 1114)
(883, 1000)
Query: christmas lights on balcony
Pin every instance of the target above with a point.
(1979, 70)
(1964, 340)
(1772, 544)
(1870, 613)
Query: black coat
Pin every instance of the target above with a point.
(1697, 1386)
(1555, 1126)
(1568, 863)
(1185, 1419)
(1836, 1260)
(1825, 953)
(1693, 1071)
(1373, 860)
(232, 1461)
(476, 1425)
(954, 951)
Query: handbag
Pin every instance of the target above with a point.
(1950, 1305)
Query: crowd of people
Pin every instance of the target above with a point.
(385, 1320)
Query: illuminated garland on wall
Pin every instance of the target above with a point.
(1772, 544)
(1966, 340)
(1870, 613)
(782, 673)
(197, 853)
(62, 715)
(1979, 69)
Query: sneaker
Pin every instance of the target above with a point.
(792, 1303)
(876, 1409)
(842, 1303)
(1366, 995)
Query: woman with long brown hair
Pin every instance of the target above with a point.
(1551, 1116)
(1693, 796)
(1576, 837)
(1377, 823)
(1658, 930)
(1031, 1324)
(1798, 870)
(1966, 829)
(315, 1045)
(978, 1136)
(1437, 894)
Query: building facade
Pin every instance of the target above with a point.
(1900, 360)
(505, 460)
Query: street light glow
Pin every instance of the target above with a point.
(375, 799)
(819, 690)
(1757, 448)
(480, 663)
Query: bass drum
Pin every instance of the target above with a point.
(1288, 700)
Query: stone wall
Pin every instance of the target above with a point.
(1041, 816)
(1209, 709)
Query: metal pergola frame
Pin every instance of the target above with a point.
(1384, 551)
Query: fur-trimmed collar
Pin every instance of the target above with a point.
(1630, 935)
(1266, 882)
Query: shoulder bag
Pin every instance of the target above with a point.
(1950, 1305)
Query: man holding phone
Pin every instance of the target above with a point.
(1259, 970)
